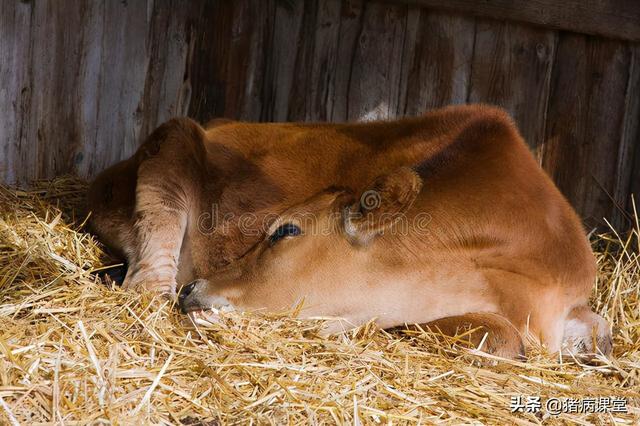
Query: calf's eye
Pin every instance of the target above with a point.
(286, 230)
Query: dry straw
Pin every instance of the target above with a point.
(74, 351)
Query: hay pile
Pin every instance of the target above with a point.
(74, 351)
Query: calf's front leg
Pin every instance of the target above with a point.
(167, 171)
(159, 230)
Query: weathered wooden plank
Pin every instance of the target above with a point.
(283, 46)
(351, 16)
(18, 153)
(133, 59)
(51, 139)
(83, 99)
(298, 105)
(438, 59)
(248, 57)
(628, 178)
(118, 56)
(245, 61)
(215, 36)
(321, 81)
(169, 51)
(609, 18)
(312, 80)
(374, 82)
(512, 68)
(585, 119)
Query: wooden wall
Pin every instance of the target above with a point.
(83, 82)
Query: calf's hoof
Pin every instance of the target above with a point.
(163, 287)
(586, 334)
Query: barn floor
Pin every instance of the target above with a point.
(74, 351)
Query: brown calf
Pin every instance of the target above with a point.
(443, 219)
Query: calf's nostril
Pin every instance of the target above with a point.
(187, 289)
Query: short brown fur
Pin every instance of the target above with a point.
(501, 239)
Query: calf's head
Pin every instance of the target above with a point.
(332, 239)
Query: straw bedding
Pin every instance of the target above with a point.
(74, 350)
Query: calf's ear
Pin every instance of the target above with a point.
(382, 205)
